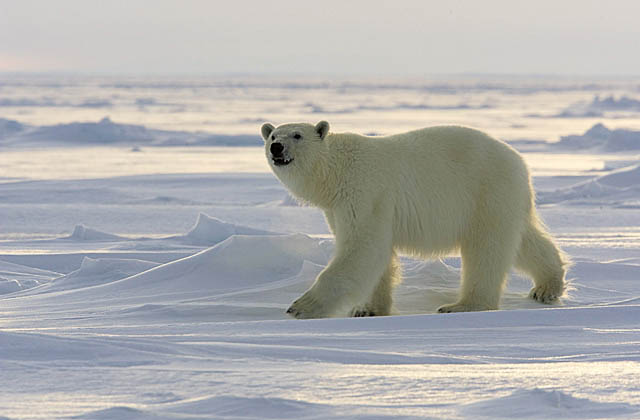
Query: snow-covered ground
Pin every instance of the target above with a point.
(146, 282)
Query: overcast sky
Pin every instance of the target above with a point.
(391, 37)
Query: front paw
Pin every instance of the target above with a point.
(308, 306)
(462, 307)
(547, 293)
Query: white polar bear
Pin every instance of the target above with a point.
(427, 193)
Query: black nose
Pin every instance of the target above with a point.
(276, 149)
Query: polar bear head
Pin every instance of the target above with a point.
(289, 145)
(299, 156)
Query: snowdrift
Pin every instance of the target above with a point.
(9, 127)
(83, 233)
(242, 277)
(542, 403)
(607, 107)
(207, 231)
(599, 107)
(235, 263)
(97, 271)
(620, 188)
(210, 230)
(16, 277)
(104, 131)
(601, 139)
(107, 132)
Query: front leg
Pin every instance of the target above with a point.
(363, 251)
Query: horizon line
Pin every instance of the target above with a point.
(266, 75)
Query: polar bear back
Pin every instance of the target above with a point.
(438, 180)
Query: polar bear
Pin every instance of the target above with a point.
(427, 193)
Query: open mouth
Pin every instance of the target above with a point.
(279, 161)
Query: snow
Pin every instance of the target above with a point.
(317, 109)
(105, 132)
(554, 404)
(9, 127)
(83, 233)
(620, 187)
(155, 286)
(204, 335)
(600, 138)
(94, 271)
(210, 231)
(15, 277)
(599, 107)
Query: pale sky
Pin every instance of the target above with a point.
(391, 37)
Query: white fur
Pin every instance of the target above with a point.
(428, 193)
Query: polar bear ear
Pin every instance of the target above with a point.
(322, 128)
(267, 128)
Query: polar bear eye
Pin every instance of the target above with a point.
(273, 137)
(297, 136)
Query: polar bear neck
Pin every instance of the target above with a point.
(318, 182)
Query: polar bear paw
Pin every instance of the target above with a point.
(546, 293)
(461, 307)
(308, 306)
(362, 312)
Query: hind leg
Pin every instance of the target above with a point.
(540, 258)
(381, 301)
(486, 260)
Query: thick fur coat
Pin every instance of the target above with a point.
(428, 193)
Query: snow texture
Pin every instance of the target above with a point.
(205, 335)
(620, 187)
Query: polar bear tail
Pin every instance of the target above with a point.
(539, 257)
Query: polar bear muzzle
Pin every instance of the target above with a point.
(279, 155)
